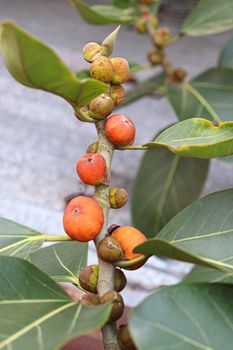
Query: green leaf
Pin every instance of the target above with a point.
(83, 74)
(36, 313)
(165, 184)
(209, 17)
(35, 65)
(156, 6)
(185, 317)
(226, 57)
(124, 3)
(208, 96)
(18, 240)
(62, 261)
(203, 274)
(134, 67)
(196, 138)
(103, 14)
(144, 88)
(202, 233)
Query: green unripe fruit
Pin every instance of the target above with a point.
(162, 37)
(90, 299)
(91, 51)
(110, 250)
(120, 280)
(178, 75)
(101, 107)
(155, 57)
(124, 338)
(140, 26)
(153, 20)
(117, 306)
(117, 94)
(102, 69)
(121, 70)
(88, 279)
(93, 147)
(117, 197)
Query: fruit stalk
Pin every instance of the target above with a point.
(106, 271)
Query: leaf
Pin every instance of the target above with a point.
(156, 6)
(203, 274)
(18, 240)
(124, 3)
(36, 313)
(202, 233)
(35, 65)
(209, 17)
(208, 96)
(62, 261)
(102, 14)
(134, 67)
(165, 184)
(83, 74)
(196, 138)
(185, 317)
(144, 88)
(226, 56)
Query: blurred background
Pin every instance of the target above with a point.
(41, 141)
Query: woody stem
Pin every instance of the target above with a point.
(106, 271)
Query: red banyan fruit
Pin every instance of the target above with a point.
(91, 169)
(83, 219)
(120, 130)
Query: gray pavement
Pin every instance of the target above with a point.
(40, 140)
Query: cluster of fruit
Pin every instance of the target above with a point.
(160, 37)
(83, 217)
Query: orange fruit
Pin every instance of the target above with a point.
(91, 169)
(83, 219)
(120, 130)
(129, 238)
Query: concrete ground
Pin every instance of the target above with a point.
(40, 140)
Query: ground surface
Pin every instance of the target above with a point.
(40, 140)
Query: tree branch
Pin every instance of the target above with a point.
(106, 271)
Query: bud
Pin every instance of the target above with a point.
(109, 43)
(93, 147)
(90, 299)
(101, 107)
(117, 306)
(124, 338)
(117, 94)
(117, 197)
(155, 57)
(91, 51)
(121, 70)
(109, 250)
(178, 75)
(102, 69)
(88, 279)
(162, 37)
